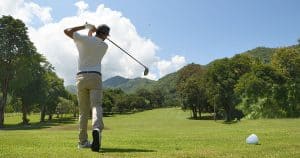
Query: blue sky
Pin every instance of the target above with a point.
(203, 30)
(163, 34)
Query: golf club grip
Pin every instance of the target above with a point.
(126, 52)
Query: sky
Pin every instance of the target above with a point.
(164, 35)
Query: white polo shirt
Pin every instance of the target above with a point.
(91, 51)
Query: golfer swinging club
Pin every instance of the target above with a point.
(89, 80)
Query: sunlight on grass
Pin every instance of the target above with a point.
(155, 133)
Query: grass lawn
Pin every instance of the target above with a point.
(155, 133)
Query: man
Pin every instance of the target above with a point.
(89, 80)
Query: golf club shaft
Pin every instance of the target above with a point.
(126, 52)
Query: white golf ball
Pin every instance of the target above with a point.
(252, 139)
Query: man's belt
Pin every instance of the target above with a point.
(89, 72)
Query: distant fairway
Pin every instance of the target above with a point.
(155, 133)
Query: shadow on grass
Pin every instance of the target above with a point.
(231, 122)
(39, 125)
(202, 118)
(212, 118)
(123, 150)
(112, 114)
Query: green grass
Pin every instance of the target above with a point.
(154, 133)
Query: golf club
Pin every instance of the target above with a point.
(146, 68)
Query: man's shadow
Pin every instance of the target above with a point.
(123, 150)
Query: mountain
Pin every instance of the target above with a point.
(128, 85)
(114, 82)
(167, 84)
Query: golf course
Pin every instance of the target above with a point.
(165, 132)
(149, 79)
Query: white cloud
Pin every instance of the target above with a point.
(82, 6)
(61, 51)
(43, 13)
(166, 67)
(25, 10)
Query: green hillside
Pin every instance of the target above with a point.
(134, 84)
(127, 85)
(115, 82)
(262, 53)
(167, 84)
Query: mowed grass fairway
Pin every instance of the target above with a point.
(154, 133)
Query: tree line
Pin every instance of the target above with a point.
(228, 88)
(117, 101)
(244, 85)
(27, 80)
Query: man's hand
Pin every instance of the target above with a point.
(91, 28)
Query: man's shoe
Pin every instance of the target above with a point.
(86, 144)
(96, 141)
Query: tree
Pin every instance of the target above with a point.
(109, 100)
(64, 106)
(221, 77)
(262, 92)
(28, 83)
(156, 98)
(287, 62)
(192, 89)
(55, 90)
(185, 73)
(147, 95)
(219, 83)
(46, 82)
(14, 44)
(75, 110)
(194, 97)
(121, 104)
(114, 101)
(136, 103)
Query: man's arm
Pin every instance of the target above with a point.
(69, 32)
